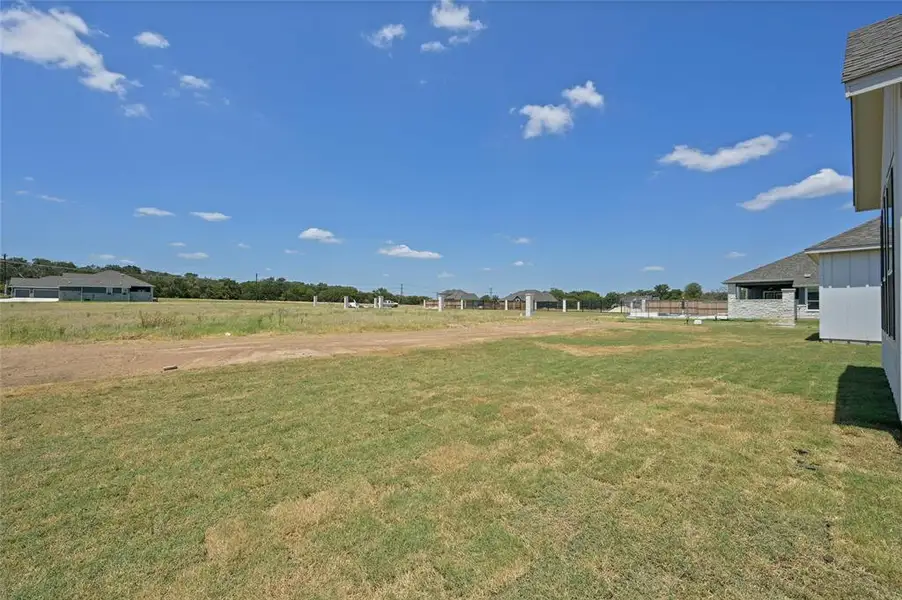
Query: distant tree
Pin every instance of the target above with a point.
(558, 294)
(662, 291)
(611, 299)
(692, 291)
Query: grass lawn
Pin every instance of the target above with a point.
(728, 460)
(25, 323)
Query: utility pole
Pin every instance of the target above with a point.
(256, 288)
(402, 294)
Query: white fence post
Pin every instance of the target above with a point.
(441, 304)
(314, 301)
(461, 304)
(529, 305)
(505, 305)
(579, 306)
(346, 301)
(564, 308)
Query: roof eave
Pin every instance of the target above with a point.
(867, 149)
(843, 249)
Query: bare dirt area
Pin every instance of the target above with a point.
(57, 362)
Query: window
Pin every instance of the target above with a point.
(94, 290)
(887, 258)
(814, 298)
(117, 290)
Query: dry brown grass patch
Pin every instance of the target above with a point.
(295, 517)
(451, 457)
(226, 541)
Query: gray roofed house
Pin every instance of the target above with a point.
(799, 270)
(103, 286)
(864, 287)
(864, 237)
(455, 294)
(873, 49)
(539, 297)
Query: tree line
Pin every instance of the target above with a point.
(191, 285)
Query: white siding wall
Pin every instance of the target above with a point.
(892, 148)
(850, 296)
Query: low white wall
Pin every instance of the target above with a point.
(782, 310)
(850, 314)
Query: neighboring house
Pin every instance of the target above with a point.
(758, 294)
(455, 296)
(458, 295)
(104, 286)
(872, 74)
(849, 267)
(540, 299)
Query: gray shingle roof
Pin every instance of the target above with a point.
(102, 279)
(872, 49)
(792, 268)
(866, 235)
(458, 295)
(538, 296)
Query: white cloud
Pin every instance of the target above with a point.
(52, 39)
(735, 254)
(457, 40)
(29, 178)
(172, 93)
(847, 206)
(445, 275)
(178, 244)
(135, 110)
(433, 47)
(103, 256)
(729, 156)
(520, 263)
(213, 217)
(194, 83)
(149, 39)
(404, 251)
(125, 261)
(193, 255)
(825, 182)
(316, 234)
(652, 268)
(486, 268)
(287, 251)
(243, 246)
(149, 211)
(546, 119)
(49, 198)
(447, 15)
(385, 36)
(23, 193)
(521, 240)
(267, 269)
(584, 94)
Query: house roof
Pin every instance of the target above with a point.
(538, 296)
(873, 48)
(102, 279)
(799, 268)
(456, 294)
(866, 235)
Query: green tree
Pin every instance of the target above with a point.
(692, 291)
(611, 299)
(662, 291)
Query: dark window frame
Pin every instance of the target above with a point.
(887, 255)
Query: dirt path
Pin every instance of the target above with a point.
(46, 363)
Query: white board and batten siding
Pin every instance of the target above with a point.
(850, 296)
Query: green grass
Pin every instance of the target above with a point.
(746, 463)
(178, 319)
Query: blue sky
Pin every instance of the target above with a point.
(494, 152)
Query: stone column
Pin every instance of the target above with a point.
(789, 311)
(564, 306)
(380, 301)
(505, 305)
(579, 306)
(441, 304)
(529, 305)
(314, 300)
(461, 304)
(424, 304)
(346, 301)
